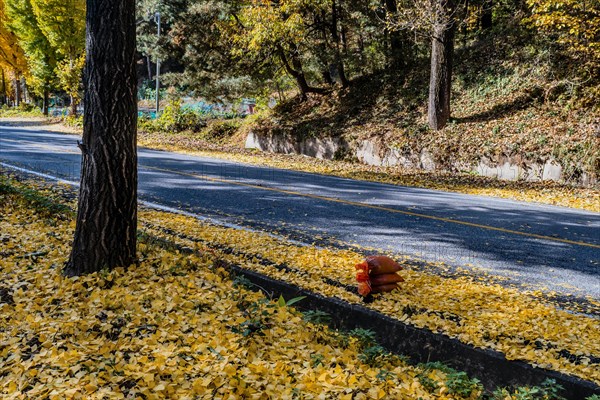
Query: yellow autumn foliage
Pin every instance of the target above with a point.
(169, 328)
(522, 325)
(177, 327)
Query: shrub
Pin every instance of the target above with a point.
(174, 118)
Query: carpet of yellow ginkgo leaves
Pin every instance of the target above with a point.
(165, 329)
(522, 325)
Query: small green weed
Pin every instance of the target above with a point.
(461, 385)
(316, 317)
(365, 337)
(548, 390)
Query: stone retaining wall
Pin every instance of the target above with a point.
(372, 153)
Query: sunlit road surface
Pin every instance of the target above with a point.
(538, 246)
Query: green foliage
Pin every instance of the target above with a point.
(460, 384)
(258, 318)
(242, 281)
(384, 375)
(440, 366)
(373, 355)
(40, 54)
(220, 129)
(74, 121)
(174, 118)
(316, 360)
(548, 390)
(281, 302)
(365, 337)
(23, 110)
(52, 35)
(429, 384)
(68, 73)
(44, 204)
(316, 317)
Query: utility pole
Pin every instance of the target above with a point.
(157, 19)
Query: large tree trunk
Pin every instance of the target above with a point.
(105, 234)
(442, 49)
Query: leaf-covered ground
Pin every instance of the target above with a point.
(177, 325)
(174, 327)
(522, 325)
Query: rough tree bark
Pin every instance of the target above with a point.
(442, 49)
(105, 234)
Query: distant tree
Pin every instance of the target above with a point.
(40, 55)
(275, 34)
(12, 57)
(105, 232)
(435, 20)
(63, 24)
(442, 53)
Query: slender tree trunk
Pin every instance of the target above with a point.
(339, 63)
(395, 56)
(73, 105)
(24, 91)
(295, 70)
(3, 93)
(46, 101)
(486, 15)
(442, 49)
(149, 66)
(17, 90)
(105, 233)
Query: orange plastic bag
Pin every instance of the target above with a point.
(385, 279)
(379, 265)
(384, 288)
(377, 274)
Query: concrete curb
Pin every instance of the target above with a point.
(421, 345)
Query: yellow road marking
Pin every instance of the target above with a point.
(372, 206)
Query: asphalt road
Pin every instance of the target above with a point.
(537, 245)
